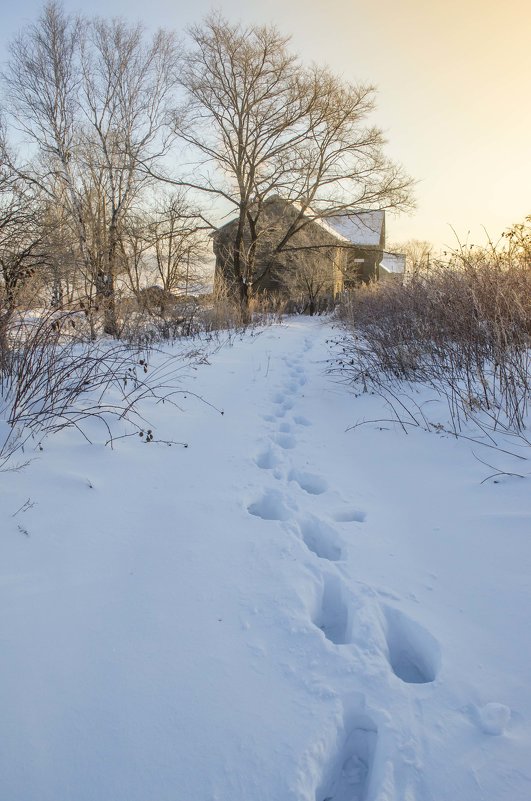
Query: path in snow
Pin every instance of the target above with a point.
(412, 653)
(282, 611)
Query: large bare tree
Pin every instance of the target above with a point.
(261, 125)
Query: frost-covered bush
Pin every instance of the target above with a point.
(463, 327)
(51, 379)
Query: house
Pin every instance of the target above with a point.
(339, 252)
(392, 264)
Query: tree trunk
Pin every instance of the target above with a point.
(4, 343)
(105, 291)
(244, 302)
(106, 301)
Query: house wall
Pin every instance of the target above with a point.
(313, 248)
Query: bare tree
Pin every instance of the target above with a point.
(126, 84)
(22, 237)
(419, 254)
(164, 243)
(310, 283)
(262, 125)
(135, 247)
(92, 96)
(179, 245)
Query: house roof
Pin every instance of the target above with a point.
(321, 222)
(393, 262)
(361, 228)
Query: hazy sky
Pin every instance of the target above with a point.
(453, 79)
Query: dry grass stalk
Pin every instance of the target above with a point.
(463, 328)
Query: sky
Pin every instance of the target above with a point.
(452, 82)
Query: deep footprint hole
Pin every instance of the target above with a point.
(309, 482)
(269, 507)
(321, 539)
(332, 614)
(267, 460)
(414, 653)
(350, 773)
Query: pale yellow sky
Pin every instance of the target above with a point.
(453, 84)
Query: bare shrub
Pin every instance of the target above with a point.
(146, 325)
(462, 328)
(50, 379)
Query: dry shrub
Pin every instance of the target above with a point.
(268, 307)
(221, 310)
(463, 327)
(146, 323)
(51, 379)
(144, 327)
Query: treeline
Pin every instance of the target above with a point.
(121, 151)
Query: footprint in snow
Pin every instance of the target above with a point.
(286, 441)
(321, 539)
(349, 775)
(309, 482)
(284, 428)
(267, 460)
(292, 387)
(270, 506)
(331, 615)
(414, 654)
(279, 398)
(300, 420)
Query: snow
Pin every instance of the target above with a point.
(326, 225)
(494, 718)
(393, 262)
(362, 228)
(282, 610)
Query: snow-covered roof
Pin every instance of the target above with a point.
(326, 226)
(361, 228)
(393, 262)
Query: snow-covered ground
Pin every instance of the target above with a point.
(282, 611)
